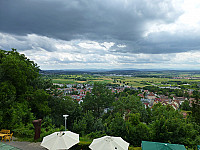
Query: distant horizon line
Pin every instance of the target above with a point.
(125, 69)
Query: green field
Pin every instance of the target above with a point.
(77, 79)
(63, 81)
(122, 80)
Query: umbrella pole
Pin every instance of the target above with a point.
(65, 121)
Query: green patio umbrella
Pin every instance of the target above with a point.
(147, 145)
(198, 147)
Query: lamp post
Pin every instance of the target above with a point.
(65, 116)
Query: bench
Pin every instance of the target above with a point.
(3, 131)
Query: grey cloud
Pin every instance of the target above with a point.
(7, 42)
(37, 43)
(165, 42)
(89, 60)
(28, 42)
(58, 60)
(145, 58)
(84, 19)
(162, 43)
(122, 22)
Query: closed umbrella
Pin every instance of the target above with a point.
(109, 143)
(60, 140)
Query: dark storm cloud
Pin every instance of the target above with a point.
(100, 20)
(161, 43)
(166, 42)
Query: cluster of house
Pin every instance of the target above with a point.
(75, 91)
(78, 92)
(150, 99)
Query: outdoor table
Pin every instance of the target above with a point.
(2, 135)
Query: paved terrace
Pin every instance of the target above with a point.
(21, 145)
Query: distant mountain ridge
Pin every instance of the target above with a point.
(115, 71)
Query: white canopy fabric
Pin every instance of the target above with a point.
(109, 143)
(60, 140)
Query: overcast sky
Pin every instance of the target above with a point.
(103, 34)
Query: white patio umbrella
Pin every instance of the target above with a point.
(109, 143)
(60, 140)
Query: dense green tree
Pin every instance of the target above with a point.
(20, 115)
(196, 106)
(179, 93)
(41, 83)
(148, 115)
(99, 99)
(196, 109)
(128, 104)
(168, 125)
(23, 95)
(130, 91)
(38, 102)
(18, 70)
(115, 126)
(136, 130)
(88, 124)
(61, 106)
(22, 91)
(7, 94)
(195, 94)
(185, 105)
(16, 74)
